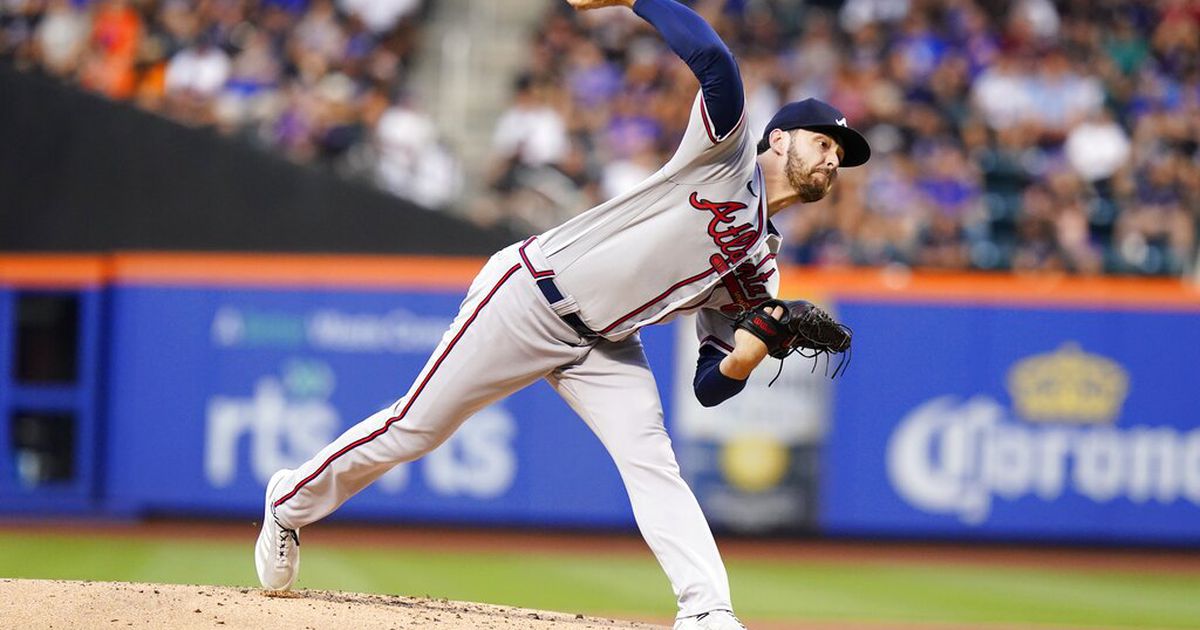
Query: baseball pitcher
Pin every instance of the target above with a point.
(566, 306)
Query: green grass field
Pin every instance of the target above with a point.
(631, 585)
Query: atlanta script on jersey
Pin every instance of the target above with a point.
(693, 236)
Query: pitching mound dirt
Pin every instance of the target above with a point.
(46, 604)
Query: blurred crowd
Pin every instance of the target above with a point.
(1028, 135)
(320, 81)
(1023, 134)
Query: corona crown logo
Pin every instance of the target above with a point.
(1068, 385)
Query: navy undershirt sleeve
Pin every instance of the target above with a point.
(703, 51)
(712, 387)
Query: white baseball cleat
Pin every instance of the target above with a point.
(714, 620)
(277, 552)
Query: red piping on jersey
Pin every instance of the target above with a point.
(684, 309)
(655, 299)
(717, 342)
(529, 265)
(762, 226)
(411, 399)
(708, 127)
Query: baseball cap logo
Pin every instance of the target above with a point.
(841, 122)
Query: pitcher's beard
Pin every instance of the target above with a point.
(810, 184)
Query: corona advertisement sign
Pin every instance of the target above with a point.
(1080, 425)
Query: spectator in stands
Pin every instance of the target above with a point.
(531, 133)
(194, 77)
(1097, 147)
(61, 37)
(529, 147)
(108, 64)
(1156, 232)
(252, 89)
(411, 160)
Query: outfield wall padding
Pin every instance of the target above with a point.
(975, 407)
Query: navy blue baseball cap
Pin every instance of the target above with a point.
(816, 115)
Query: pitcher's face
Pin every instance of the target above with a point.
(812, 162)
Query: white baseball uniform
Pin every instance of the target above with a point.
(567, 305)
(694, 236)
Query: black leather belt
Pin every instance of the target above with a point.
(554, 296)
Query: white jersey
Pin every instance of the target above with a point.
(693, 235)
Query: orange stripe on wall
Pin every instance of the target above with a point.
(52, 270)
(455, 274)
(994, 288)
(300, 270)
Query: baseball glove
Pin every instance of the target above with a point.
(804, 328)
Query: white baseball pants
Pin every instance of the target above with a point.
(504, 338)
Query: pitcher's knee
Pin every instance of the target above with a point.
(406, 445)
(654, 457)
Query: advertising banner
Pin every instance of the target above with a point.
(754, 461)
(213, 390)
(1017, 423)
(957, 418)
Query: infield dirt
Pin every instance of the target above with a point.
(62, 605)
